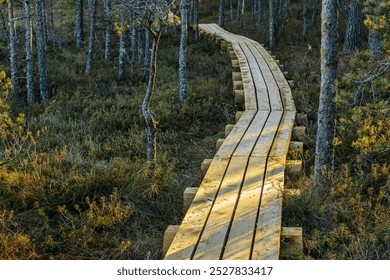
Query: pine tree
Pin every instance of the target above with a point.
(353, 34)
(327, 107)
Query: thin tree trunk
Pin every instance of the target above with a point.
(304, 23)
(231, 9)
(108, 29)
(147, 55)
(314, 16)
(13, 48)
(45, 20)
(272, 24)
(79, 22)
(239, 11)
(52, 30)
(183, 53)
(353, 34)
(61, 24)
(91, 47)
(29, 55)
(133, 41)
(374, 42)
(122, 47)
(221, 21)
(41, 49)
(260, 11)
(327, 107)
(151, 124)
(196, 19)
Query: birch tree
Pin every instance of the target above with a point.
(91, 46)
(154, 15)
(13, 48)
(29, 55)
(327, 107)
(183, 53)
(41, 50)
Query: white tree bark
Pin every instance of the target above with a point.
(183, 52)
(374, 42)
(91, 47)
(13, 48)
(327, 107)
(29, 55)
(41, 49)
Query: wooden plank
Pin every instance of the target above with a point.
(292, 243)
(169, 234)
(281, 144)
(265, 141)
(260, 86)
(239, 244)
(188, 197)
(273, 88)
(229, 145)
(185, 240)
(266, 245)
(250, 137)
(212, 240)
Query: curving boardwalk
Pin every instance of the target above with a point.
(237, 210)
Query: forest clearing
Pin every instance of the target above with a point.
(109, 109)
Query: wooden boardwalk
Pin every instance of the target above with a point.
(237, 210)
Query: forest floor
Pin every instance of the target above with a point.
(80, 190)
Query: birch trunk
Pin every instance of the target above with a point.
(122, 53)
(147, 56)
(327, 107)
(41, 50)
(79, 22)
(183, 53)
(29, 55)
(133, 41)
(151, 124)
(13, 48)
(91, 47)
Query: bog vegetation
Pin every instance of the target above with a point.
(74, 182)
